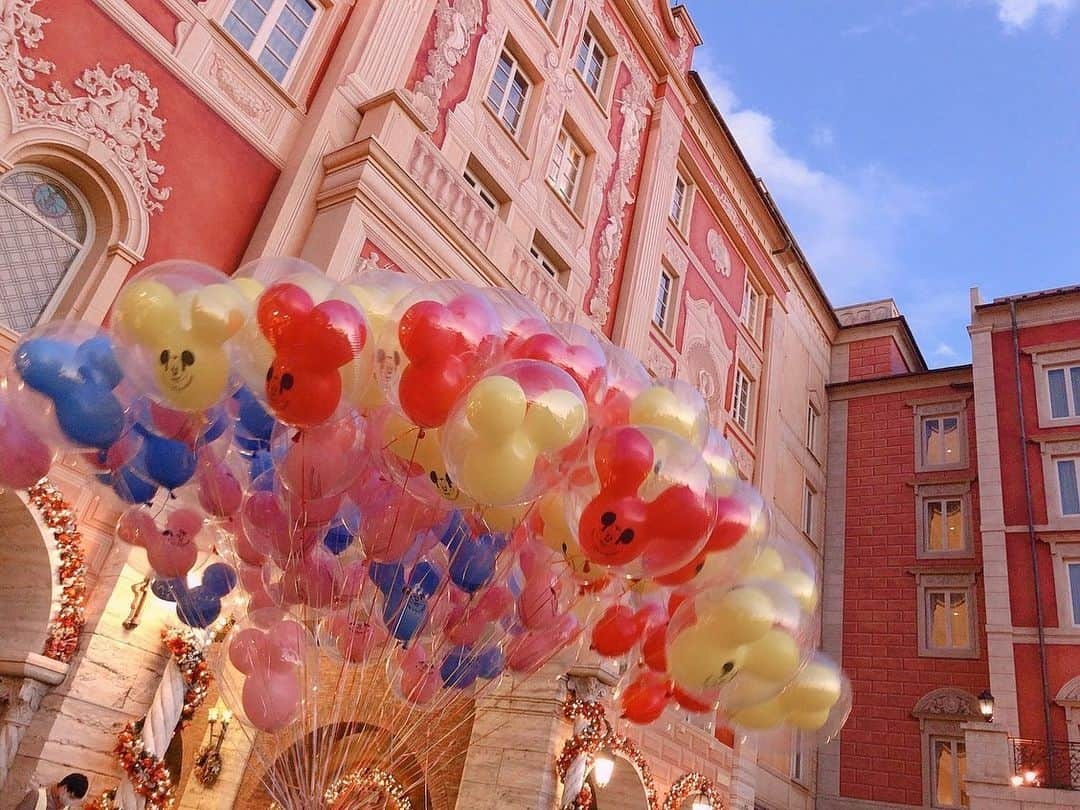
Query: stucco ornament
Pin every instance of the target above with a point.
(456, 23)
(634, 104)
(117, 108)
(718, 251)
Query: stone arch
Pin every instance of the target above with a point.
(625, 791)
(941, 714)
(947, 703)
(1068, 697)
(29, 590)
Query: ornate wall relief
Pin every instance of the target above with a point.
(675, 255)
(706, 356)
(250, 101)
(719, 252)
(117, 108)
(635, 102)
(658, 362)
(456, 23)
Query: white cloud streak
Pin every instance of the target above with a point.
(1017, 15)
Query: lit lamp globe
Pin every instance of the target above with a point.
(701, 803)
(603, 765)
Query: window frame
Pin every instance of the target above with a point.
(1053, 452)
(952, 580)
(1064, 552)
(544, 260)
(679, 215)
(958, 746)
(751, 314)
(75, 266)
(547, 18)
(517, 69)
(810, 493)
(941, 410)
(929, 493)
(567, 143)
(750, 389)
(481, 188)
(668, 296)
(798, 758)
(262, 36)
(1058, 461)
(590, 49)
(1047, 359)
(813, 427)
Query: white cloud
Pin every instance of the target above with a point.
(945, 352)
(822, 136)
(1017, 15)
(849, 225)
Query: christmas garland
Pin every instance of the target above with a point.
(64, 628)
(149, 774)
(596, 736)
(370, 778)
(693, 784)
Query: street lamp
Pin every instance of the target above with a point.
(603, 765)
(986, 705)
(1017, 780)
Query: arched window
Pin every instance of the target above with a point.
(45, 226)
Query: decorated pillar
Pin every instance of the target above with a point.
(395, 32)
(637, 295)
(24, 699)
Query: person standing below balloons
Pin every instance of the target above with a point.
(68, 792)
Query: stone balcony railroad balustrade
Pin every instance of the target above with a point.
(532, 281)
(448, 190)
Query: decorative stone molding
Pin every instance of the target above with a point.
(371, 262)
(718, 251)
(870, 312)
(658, 362)
(237, 89)
(635, 103)
(118, 108)
(447, 189)
(539, 287)
(22, 701)
(456, 23)
(947, 703)
(675, 256)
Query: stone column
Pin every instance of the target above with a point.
(641, 272)
(391, 47)
(743, 779)
(24, 700)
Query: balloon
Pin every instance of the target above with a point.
(168, 462)
(26, 459)
(472, 564)
(675, 406)
(175, 319)
(354, 638)
(311, 343)
(219, 490)
(168, 590)
(616, 632)
(174, 551)
(406, 610)
(198, 607)
(78, 378)
(248, 650)
(219, 579)
(321, 461)
(271, 700)
(645, 697)
(575, 351)
(529, 651)
(419, 680)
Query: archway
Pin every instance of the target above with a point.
(625, 790)
(28, 590)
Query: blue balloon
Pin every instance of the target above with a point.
(198, 607)
(459, 668)
(218, 422)
(169, 462)
(387, 576)
(253, 417)
(454, 532)
(472, 565)
(79, 380)
(262, 462)
(338, 538)
(131, 482)
(490, 663)
(219, 579)
(168, 589)
(406, 608)
(425, 578)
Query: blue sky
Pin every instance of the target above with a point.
(916, 147)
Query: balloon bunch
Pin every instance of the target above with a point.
(415, 489)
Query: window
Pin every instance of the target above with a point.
(543, 8)
(741, 400)
(948, 764)
(271, 30)
(797, 762)
(945, 525)
(812, 419)
(809, 495)
(663, 299)
(1074, 591)
(940, 438)
(44, 228)
(567, 160)
(948, 620)
(591, 60)
(678, 199)
(544, 260)
(751, 311)
(482, 191)
(1067, 485)
(508, 91)
(1064, 385)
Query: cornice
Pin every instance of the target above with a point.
(933, 378)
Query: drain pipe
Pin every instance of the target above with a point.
(1033, 543)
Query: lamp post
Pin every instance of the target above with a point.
(208, 761)
(603, 765)
(986, 705)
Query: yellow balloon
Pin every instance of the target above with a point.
(498, 473)
(802, 587)
(659, 407)
(738, 616)
(555, 419)
(496, 406)
(769, 714)
(558, 536)
(249, 288)
(774, 657)
(505, 518)
(409, 443)
(817, 687)
(218, 311)
(146, 310)
(808, 721)
(698, 664)
(767, 565)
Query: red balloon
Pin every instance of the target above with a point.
(585, 364)
(616, 632)
(311, 342)
(732, 522)
(645, 699)
(654, 650)
(680, 576)
(447, 346)
(690, 702)
(271, 699)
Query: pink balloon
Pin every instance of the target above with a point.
(496, 602)
(268, 527)
(349, 581)
(271, 699)
(135, 526)
(26, 459)
(244, 548)
(355, 639)
(538, 604)
(316, 571)
(310, 513)
(185, 524)
(391, 519)
(287, 642)
(220, 493)
(528, 652)
(173, 552)
(323, 460)
(248, 650)
(177, 425)
(420, 680)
